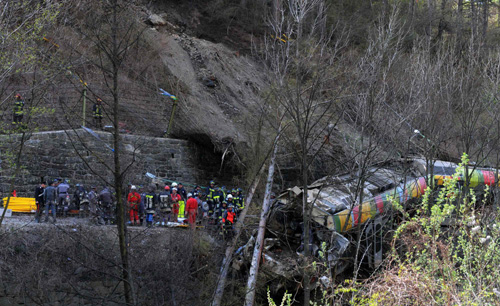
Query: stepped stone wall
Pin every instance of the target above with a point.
(82, 158)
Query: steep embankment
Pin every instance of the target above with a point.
(219, 89)
(74, 263)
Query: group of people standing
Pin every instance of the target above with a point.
(174, 203)
(54, 199)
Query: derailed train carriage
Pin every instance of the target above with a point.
(337, 224)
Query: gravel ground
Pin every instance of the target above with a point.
(19, 221)
(29, 220)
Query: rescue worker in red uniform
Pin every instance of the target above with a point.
(175, 198)
(228, 220)
(191, 208)
(133, 200)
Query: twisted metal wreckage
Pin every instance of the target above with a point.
(334, 217)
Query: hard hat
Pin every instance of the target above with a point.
(167, 187)
(133, 187)
(18, 96)
(174, 189)
(212, 183)
(174, 184)
(224, 202)
(195, 194)
(229, 196)
(180, 183)
(190, 195)
(234, 190)
(205, 206)
(230, 206)
(99, 100)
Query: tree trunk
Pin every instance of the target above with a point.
(322, 18)
(460, 26)
(16, 172)
(442, 21)
(485, 17)
(276, 10)
(430, 14)
(306, 221)
(121, 225)
(259, 242)
(226, 262)
(473, 19)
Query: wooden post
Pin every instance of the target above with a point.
(84, 104)
(171, 121)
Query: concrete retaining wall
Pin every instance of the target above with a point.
(81, 158)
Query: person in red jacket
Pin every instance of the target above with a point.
(175, 198)
(133, 200)
(228, 220)
(192, 208)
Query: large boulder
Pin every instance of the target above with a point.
(156, 20)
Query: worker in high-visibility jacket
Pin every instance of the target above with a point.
(230, 202)
(210, 194)
(240, 199)
(182, 203)
(150, 201)
(97, 112)
(228, 218)
(165, 205)
(221, 211)
(18, 109)
(218, 199)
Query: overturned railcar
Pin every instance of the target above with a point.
(339, 219)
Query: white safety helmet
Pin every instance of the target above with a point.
(205, 206)
(174, 184)
(229, 196)
(174, 189)
(133, 187)
(190, 195)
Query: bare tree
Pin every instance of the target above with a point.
(303, 64)
(113, 34)
(32, 68)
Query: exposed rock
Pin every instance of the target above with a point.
(156, 20)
